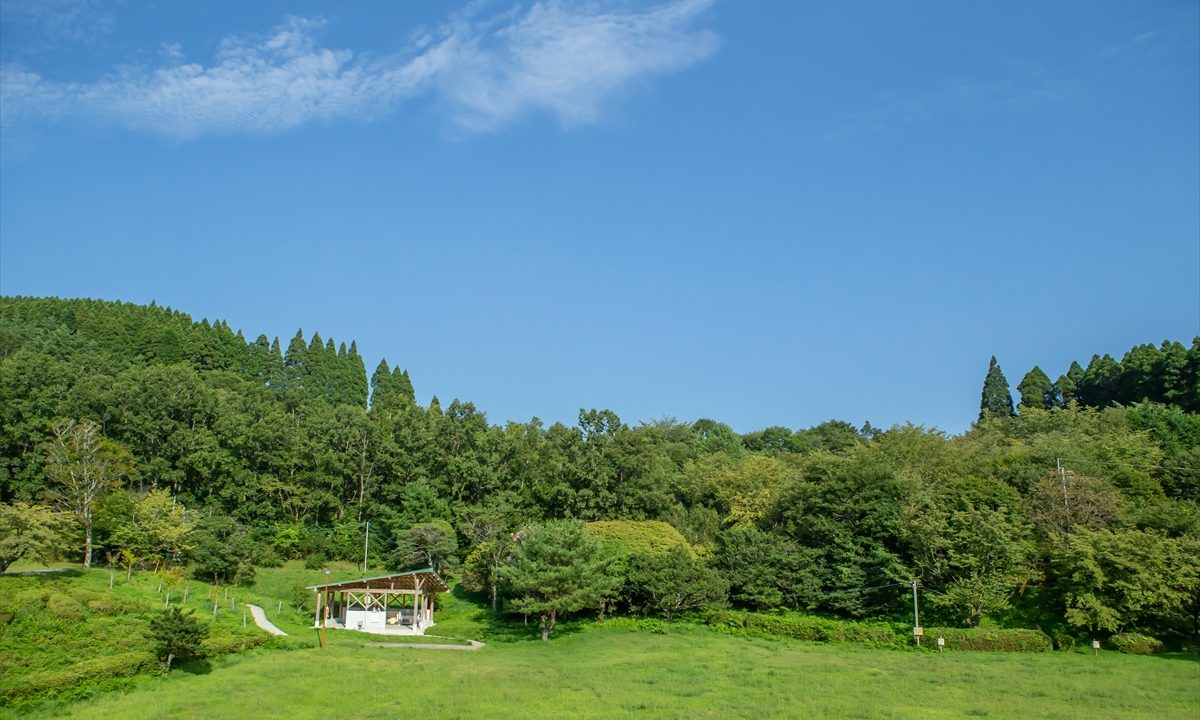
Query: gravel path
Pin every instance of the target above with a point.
(260, 619)
(475, 645)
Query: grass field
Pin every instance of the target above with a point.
(692, 673)
(607, 671)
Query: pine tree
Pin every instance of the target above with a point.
(996, 400)
(1037, 390)
(557, 568)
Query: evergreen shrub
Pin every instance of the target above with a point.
(990, 639)
(1136, 644)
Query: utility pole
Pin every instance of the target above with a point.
(916, 615)
(366, 545)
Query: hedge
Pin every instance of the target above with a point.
(1136, 643)
(828, 630)
(807, 627)
(990, 639)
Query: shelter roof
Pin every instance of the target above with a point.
(425, 579)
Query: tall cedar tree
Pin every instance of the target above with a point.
(1067, 385)
(997, 399)
(1037, 390)
(557, 568)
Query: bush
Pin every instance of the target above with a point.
(316, 561)
(177, 635)
(223, 645)
(80, 677)
(1135, 644)
(991, 639)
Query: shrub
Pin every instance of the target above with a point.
(177, 635)
(991, 639)
(80, 677)
(223, 645)
(1136, 644)
(316, 561)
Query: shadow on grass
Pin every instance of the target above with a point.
(1192, 657)
(498, 627)
(46, 572)
(195, 667)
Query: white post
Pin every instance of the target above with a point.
(916, 615)
(366, 545)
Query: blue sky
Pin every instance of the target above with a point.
(767, 213)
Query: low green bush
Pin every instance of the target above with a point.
(1136, 644)
(807, 627)
(92, 672)
(225, 644)
(990, 639)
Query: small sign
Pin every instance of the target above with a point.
(1095, 644)
(918, 632)
(941, 642)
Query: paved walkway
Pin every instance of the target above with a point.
(260, 619)
(475, 645)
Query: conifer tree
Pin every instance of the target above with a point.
(1100, 382)
(381, 381)
(356, 377)
(557, 568)
(406, 387)
(996, 400)
(1036, 390)
(1067, 386)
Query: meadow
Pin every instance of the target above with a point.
(588, 670)
(692, 672)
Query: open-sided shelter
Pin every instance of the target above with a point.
(399, 604)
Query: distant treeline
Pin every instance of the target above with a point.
(1168, 373)
(1076, 515)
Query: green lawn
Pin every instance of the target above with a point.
(586, 671)
(691, 673)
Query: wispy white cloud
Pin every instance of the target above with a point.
(565, 59)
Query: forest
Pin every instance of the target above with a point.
(134, 436)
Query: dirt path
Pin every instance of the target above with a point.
(260, 619)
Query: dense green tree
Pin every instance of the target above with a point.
(425, 545)
(159, 529)
(674, 581)
(1037, 390)
(35, 532)
(177, 635)
(556, 568)
(996, 400)
(222, 550)
(765, 570)
(1127, 579)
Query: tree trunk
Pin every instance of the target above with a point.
(87, 548)
(548, 624)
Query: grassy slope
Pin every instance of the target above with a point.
(609, 672)
(691, 673)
